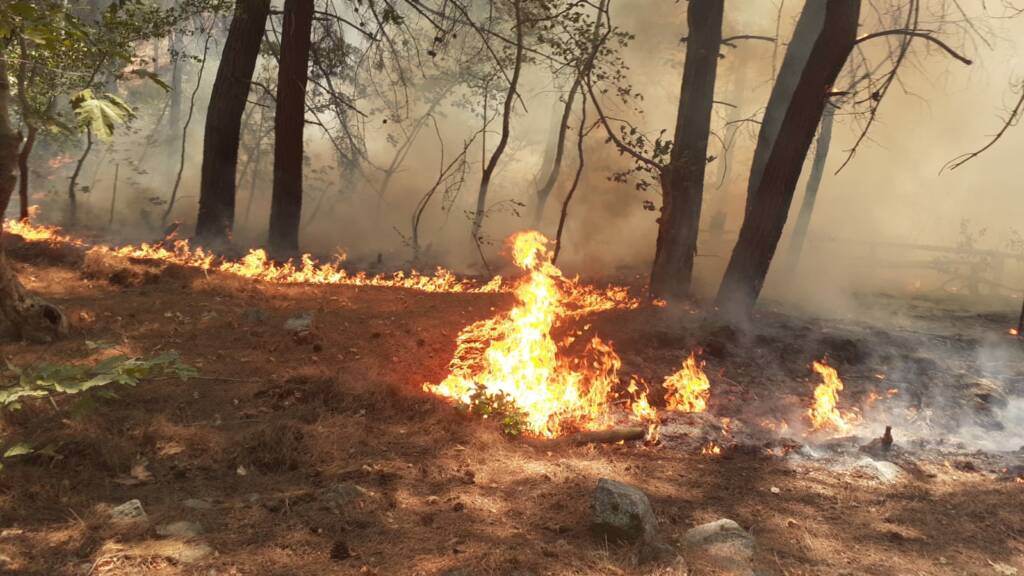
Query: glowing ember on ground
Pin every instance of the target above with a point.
(824, 413)
(1014, 332)
(513, 356)
(688, 389)
(711, 449)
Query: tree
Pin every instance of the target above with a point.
(224, 120)
(682, 179)
(770, 202)
(289, 121)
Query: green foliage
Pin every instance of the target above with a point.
(47, 380)
(100, 113)
(485, 405)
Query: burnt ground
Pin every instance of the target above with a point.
(321, 454)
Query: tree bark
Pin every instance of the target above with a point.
(224, 120)
(177, 69)
(23, 156)
(289, 121)
(21, 314)
(803, 220)
(544, 192)
(682, 180)
(808, 28)
(763, 223)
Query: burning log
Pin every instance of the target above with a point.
(609, 436)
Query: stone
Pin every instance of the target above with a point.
(180, 529)
(882, 470)
(622, 512)
(722, 545)
(301, 323)
(130, 511)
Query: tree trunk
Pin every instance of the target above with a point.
(23, 155)
(224, 120)
(289, 121)
(763, 224)
(177, 68)
(21, 314)
(807, 30)
(72, 216)
(803, 220)
(544, 192)
(682, 180)
(506, 121)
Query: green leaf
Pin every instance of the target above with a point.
(77, 387)
(18, 449)
(152, 76)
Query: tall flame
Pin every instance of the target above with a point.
(825, 413)
(514, 356)
(688, 390)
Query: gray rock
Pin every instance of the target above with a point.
(299, 324)
(622, 512)
(723, 545)
(883, 471)
(255, 315)
(180, 529)
(197, 504)
(130, 511)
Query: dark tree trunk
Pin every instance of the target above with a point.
(803, 220)
(289, 121)
(763, 224)
(682, 180)
(224, 120)
(506, 128)
(807, 30)
(23, 156)
(22, 315)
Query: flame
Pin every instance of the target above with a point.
(514, 356)
(258, 266)
(1014, 332)
(688, 389)
(641, 407)
(711, 449)
(825, 413)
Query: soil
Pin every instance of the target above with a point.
(319, 453)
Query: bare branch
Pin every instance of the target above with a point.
(918, 34)
(1012, 120)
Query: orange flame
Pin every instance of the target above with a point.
(711, 449)
(1014, 332)
(258, 266)
(688, 389)
(824, 414)
(514, 356)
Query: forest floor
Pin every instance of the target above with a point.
(322, 454)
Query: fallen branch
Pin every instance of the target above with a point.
(609, 436)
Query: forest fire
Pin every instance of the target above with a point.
(513, 357)
(258, 266)
(824, 413)
(688, 390)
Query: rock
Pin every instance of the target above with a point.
(130, 511)
(180, 529)
(622, 512)
(197, 504)
(884, 471)
(342, 494)
(301, 323)
(655, 552)
(722, 545)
